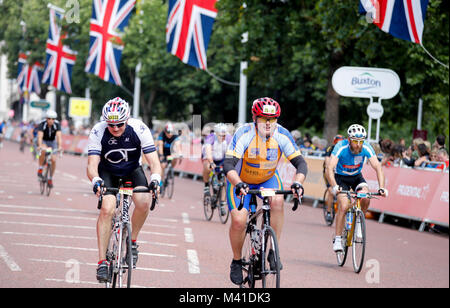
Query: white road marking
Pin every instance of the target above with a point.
(185, 218)
(193, 263)
(8, 260)
(188, 235)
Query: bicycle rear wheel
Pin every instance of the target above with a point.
(325, 209)
(127, 253)
(341, 256)
(270, 271)
(223, 209)
(359, 241)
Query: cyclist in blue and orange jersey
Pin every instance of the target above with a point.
(168, 145)
(114, 152)
(329, 200)
(49, 136)
(251, 163)
(344, 173)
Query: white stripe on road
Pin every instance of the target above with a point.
(193, 263)
(185, 218)
(8, 260)
(188, 235)
(87, 282)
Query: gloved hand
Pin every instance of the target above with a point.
(240, 186)
(97, 182)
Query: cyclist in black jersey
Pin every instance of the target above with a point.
(328, 202)
(168, 145)
(114, 151)
(49, 136)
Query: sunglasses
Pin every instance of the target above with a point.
(116, 125)
(270, 120)
(358, 141)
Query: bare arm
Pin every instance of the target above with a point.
(92, 167)
(329, 169)
(153, 162)
(377, 167)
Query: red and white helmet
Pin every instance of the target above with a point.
(266, 107)
(169, 128)
(116, 111)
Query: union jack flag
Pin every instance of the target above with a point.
(403, 19)
(109, 18)
(60, 58)
(28, 78)
(188, 29)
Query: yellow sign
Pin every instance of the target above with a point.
(80, 107)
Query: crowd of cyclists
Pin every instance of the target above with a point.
(249, 158)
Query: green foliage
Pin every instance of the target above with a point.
(292, 50)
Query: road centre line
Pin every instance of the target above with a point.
(8, 260)
(188, 235)
(193, 263)
(185, 218)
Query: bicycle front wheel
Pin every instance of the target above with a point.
(270, 271)
(170, 184)
(127, 260)
(359, 241)
(249, 270)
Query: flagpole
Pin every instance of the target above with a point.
(137, 91)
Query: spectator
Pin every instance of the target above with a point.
(407, 156)
(424, 156)
(442, 156)
(307, 147)
(415, 153)
(386, 146)
(297, 135)
(433, 159)
(397, 153)
(439, 143)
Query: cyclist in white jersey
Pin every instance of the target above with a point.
(114, 152)
(344, 173)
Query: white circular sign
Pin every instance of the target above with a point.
(375, 110)
(366, 82)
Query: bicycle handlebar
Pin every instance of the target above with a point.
(359, 195)
(135, 190)
(271, 193)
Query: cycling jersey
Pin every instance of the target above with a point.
(167, 142)
(259, 156)
(49, 130)
(349, 163)
(121, 155)
(218, 149)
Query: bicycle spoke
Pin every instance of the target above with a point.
(271, 264)
(359, 241)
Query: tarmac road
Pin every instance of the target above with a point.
(51, 241)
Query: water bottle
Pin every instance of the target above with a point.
(348, 220)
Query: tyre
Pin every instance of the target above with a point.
(112, 256)
(328, 222)
(127, 260)
(270, 269)
(341, 256)
(43, 180)
(207, 208)
(248, 262)
(359, 241)
(170, 184)
(223, 216)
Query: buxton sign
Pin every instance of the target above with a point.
(366, 82)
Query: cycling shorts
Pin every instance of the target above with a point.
(349, 181)
(233, 201)
(51, 144)
(136, 177)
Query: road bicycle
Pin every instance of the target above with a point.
(169, 179)
(119, 254)
(261, 255)
(217, 182)
(46, 171)
(354, 233)
(334, 206)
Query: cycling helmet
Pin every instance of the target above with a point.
(51, 114)
(116, 111)
(356, 131)
(338, 138)
(220, 129)
(266, 107)
(169, 128)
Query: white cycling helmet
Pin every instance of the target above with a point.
(116, 111)
(51, 114)
(356, 131)
(220, 129)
